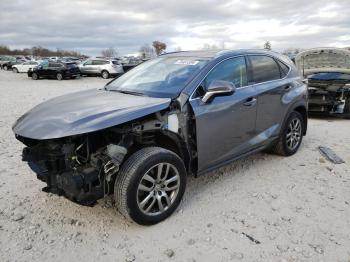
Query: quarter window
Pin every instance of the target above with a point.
(284, 69)
(264, 68)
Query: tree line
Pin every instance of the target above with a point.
(38, 51)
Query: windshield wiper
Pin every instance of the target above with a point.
(128, 92)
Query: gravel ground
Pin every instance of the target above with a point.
(261, 208)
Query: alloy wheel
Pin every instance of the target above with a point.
(59, 76)
(294, 133)
(105, 75)
(158, 189)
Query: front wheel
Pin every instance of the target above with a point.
(15, 70)
(35, 76)
(291, 135)
(150, 185)
(5, 67)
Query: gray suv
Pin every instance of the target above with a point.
(102, 67)
(183, 113)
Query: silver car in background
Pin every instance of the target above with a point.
(102, 67)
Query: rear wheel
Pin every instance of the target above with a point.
(105, 74)
(15, 70)
(59, 76)
(150, 185)
(35, 76)
(5, 67)
(291, 136)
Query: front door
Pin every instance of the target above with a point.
(226, 125)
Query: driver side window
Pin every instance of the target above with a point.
(232, 70)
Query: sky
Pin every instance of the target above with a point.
(126, 25)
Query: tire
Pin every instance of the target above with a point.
(35, 76)
(5, 67)
(59, 76)
(131, 177)
(15, 70)
(282, 147)
(105, 74)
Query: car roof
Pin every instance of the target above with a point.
(221, 52)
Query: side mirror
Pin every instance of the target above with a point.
(218, 88)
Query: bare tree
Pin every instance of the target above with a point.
(109, 52)
(267, 45)
(207, 46)
(146, 51)
(178, 49)
(159, 47)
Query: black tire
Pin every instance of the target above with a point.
(15, 70)
(35, 76)
(5, 67)
(59, 76)
(105, 74)
(281, 147)
(130, 175)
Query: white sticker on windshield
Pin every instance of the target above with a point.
(186, 62)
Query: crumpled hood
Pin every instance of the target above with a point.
(84, 112)
(323, 60)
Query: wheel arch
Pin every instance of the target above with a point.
(303, 111)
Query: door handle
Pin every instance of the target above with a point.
(287, 87)
(251, 101)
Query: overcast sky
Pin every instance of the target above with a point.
(90, 26)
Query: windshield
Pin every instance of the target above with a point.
(159, 77)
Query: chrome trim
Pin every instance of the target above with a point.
(275, 58)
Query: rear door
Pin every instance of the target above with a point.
(96, 64)
(271, 85)
(226, 125)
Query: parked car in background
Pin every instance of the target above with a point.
(178, 114)
(13, 61)
(24, 67)
(5, 61)
(327, 71)
(101, 67)
(55, 70)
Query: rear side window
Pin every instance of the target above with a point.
(264, 68)
(232, 70)
(115, 62)
(100, 62)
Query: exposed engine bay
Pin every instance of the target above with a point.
(83, 167)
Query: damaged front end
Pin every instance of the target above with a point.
(83, 167)
(329, 93)
(80, 168)
(328, 74)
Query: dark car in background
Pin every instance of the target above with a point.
(179, 114)
(327, 71)
(55, 70)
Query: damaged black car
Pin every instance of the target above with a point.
(183, 113)
(327, 71)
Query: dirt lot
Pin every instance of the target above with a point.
(297, 208)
